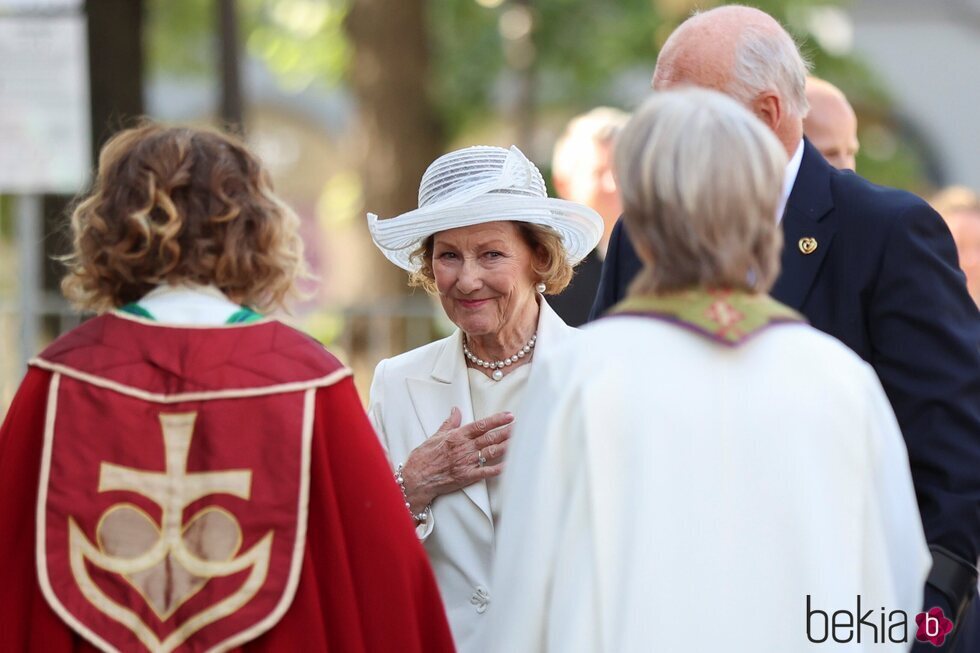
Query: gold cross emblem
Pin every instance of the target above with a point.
(174, 489)
(168, 564)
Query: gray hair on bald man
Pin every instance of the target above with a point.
(770, 60)
(700, 179)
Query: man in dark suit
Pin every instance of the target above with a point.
(874, 267)
(581, 171)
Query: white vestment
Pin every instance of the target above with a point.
(665, 492)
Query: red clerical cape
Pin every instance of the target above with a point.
(194, 489)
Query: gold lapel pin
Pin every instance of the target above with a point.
(808, 245)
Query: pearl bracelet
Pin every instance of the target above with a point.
(420, 518)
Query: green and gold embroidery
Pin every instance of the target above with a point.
(727, 316)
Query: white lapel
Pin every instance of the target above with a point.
(434, 395)
(551, 331)
(448, 385)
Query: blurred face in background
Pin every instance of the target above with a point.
(831, 124)
(590, 180)
(587, 178)
(965, 226)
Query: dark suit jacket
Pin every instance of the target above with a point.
(575, 301)
(885, 280)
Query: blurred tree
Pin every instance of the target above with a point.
(115, 54)
(232, 110)
(425, 73)
(301, 41)
(116, 65)
(400, 134)
(512, 60)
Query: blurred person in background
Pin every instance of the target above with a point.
(662, 461)
(490, 243)
(874, 267)
(180, 472)
(831, 124)
(960, 207)
(581, 170)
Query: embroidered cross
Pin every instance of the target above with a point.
(175, 488)
(724, 315)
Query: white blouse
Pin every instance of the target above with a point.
(489, 397)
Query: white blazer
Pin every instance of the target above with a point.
(411, 396)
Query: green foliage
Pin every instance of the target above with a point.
(581, 48)
(578, 46)
(301, 41)
(180, 37)
(6, 220)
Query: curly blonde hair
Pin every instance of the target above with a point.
(554, 270)
(181, 205)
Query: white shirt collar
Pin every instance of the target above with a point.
(792, 170)
(189, 304)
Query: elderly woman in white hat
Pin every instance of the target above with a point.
(490, 242)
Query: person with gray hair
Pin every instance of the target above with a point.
(793, 515)
(874, 267)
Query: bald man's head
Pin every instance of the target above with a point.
(831, 124)
(746, 54)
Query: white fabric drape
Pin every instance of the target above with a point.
(667, 493)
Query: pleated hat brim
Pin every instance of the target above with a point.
(478, 185)
(579, 227)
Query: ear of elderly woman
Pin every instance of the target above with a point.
(489, 243)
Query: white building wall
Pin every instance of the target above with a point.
(927, 52)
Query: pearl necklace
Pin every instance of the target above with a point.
(497, 366)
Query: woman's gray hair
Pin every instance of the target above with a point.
(768, 60)
(701, 180)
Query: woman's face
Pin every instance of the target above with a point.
(484, 275)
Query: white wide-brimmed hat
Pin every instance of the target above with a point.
(484, 184)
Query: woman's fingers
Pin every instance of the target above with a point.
(452, 422)
(494, 437)
(493, 456)
(452, 461)
(494, 453)
(489, 471)
(479, 427)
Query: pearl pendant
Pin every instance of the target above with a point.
(497, 366)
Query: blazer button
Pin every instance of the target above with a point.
(480, 599)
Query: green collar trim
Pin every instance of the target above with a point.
(242, 316)
(730, 317)
(138, 311)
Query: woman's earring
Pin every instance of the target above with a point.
(541, 287)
